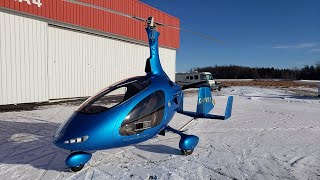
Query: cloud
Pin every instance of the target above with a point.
(296, 46)
(315, 50)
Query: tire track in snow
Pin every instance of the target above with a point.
(89, 175)
(148, 162)
(51, 161)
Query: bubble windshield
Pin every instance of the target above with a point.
(114, 95)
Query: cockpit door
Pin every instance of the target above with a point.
(147, 114)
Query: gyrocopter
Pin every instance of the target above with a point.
(144, 111)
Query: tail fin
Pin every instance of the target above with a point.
(205, 104)
(228, 108)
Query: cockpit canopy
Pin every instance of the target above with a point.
(114, 95)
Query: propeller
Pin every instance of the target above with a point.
(150, 21)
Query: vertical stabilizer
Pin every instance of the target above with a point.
(205, 104)
(180, 106)
(228, 108)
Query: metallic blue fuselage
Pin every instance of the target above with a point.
(103, 128)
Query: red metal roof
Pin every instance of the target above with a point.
(74, 14)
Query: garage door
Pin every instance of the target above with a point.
(23, 60)
(81, 64)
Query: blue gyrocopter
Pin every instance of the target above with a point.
(144, 110)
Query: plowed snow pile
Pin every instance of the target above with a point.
(271, 135)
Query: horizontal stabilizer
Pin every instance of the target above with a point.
(227, 114)
(207, 116)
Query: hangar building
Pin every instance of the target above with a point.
(53, 49)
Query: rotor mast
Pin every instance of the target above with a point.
(153, 64)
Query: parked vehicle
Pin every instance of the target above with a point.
(319, 89)
(193, 79)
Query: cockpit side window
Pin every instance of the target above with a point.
(114, 95)
(146, 114)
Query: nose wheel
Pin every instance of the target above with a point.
(187, 152)
(76, 160)
(76, 169)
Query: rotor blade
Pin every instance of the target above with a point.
(106, 9)
(194, 32)
(205, 36)
(142, 19)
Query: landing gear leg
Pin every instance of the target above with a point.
(187, 142)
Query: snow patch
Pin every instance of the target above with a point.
(23, 137)
(271, 135)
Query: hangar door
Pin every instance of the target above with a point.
(23, 60)
(81, 64)
(39, 62)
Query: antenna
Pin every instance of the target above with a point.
(150, 21)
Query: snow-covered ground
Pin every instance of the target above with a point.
(272, 135)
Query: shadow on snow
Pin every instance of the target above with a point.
(158, 148)
(31, 143)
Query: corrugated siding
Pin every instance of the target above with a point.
(168, 62)
(82, 64)
(62, 11)
(23, 60)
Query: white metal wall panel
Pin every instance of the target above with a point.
(23, 60)
(168, 62)
(82, 64)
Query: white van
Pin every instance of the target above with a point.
(187, 79)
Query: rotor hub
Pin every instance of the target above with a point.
(151, 23)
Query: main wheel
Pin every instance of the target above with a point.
(187, 152)
(76, 169)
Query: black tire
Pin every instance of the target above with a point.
(76, 169)
(187, 152)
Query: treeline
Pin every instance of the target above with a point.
(240, 72)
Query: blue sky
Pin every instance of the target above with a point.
(259, 33)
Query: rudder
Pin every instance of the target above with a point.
(205, 104)
(228, 108)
